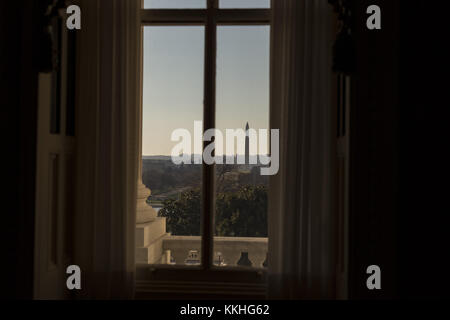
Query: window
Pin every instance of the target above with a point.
(242, 99)
(208, 62)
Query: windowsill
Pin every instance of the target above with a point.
(166, 281)
(231, 280)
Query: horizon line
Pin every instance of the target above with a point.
(199, 154)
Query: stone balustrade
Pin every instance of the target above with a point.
(229, 247)
(155, 246)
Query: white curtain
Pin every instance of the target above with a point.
(301, 217)
(107, 147)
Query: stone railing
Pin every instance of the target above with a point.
(155, 246)
(231, 248)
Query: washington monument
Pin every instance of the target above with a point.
(247, 145)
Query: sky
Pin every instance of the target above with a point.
(174, 72)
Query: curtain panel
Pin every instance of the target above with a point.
(301, 217)
(108, 147)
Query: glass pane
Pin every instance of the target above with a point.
(242, 102)
(174, 4)
(242, 4)
(173, 99)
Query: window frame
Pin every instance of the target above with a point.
(149, 277)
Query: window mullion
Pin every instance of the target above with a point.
(173, 16)
(209, 115)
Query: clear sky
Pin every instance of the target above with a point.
(173, 80)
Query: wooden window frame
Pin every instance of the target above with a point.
(151, 278)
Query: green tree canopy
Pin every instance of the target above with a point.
(183, 215)
(242, 213)
(238, 214)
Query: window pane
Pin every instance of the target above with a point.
(173, 99)
(174, 4)
(241, 191)
(236, 4)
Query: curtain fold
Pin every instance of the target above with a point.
(108, 147)
(301, 217)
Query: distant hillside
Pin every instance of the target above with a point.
(168, 180)
(226, 158)
(156, 157)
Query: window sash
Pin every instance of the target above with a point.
(200, 16)
(210, 17)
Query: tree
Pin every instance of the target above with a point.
(238, 214)
(183, 215)
(242, 213)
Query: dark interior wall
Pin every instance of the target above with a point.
(10, 117)
(374, 157)
(399, 207)
(424, 209)
(18, 94)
